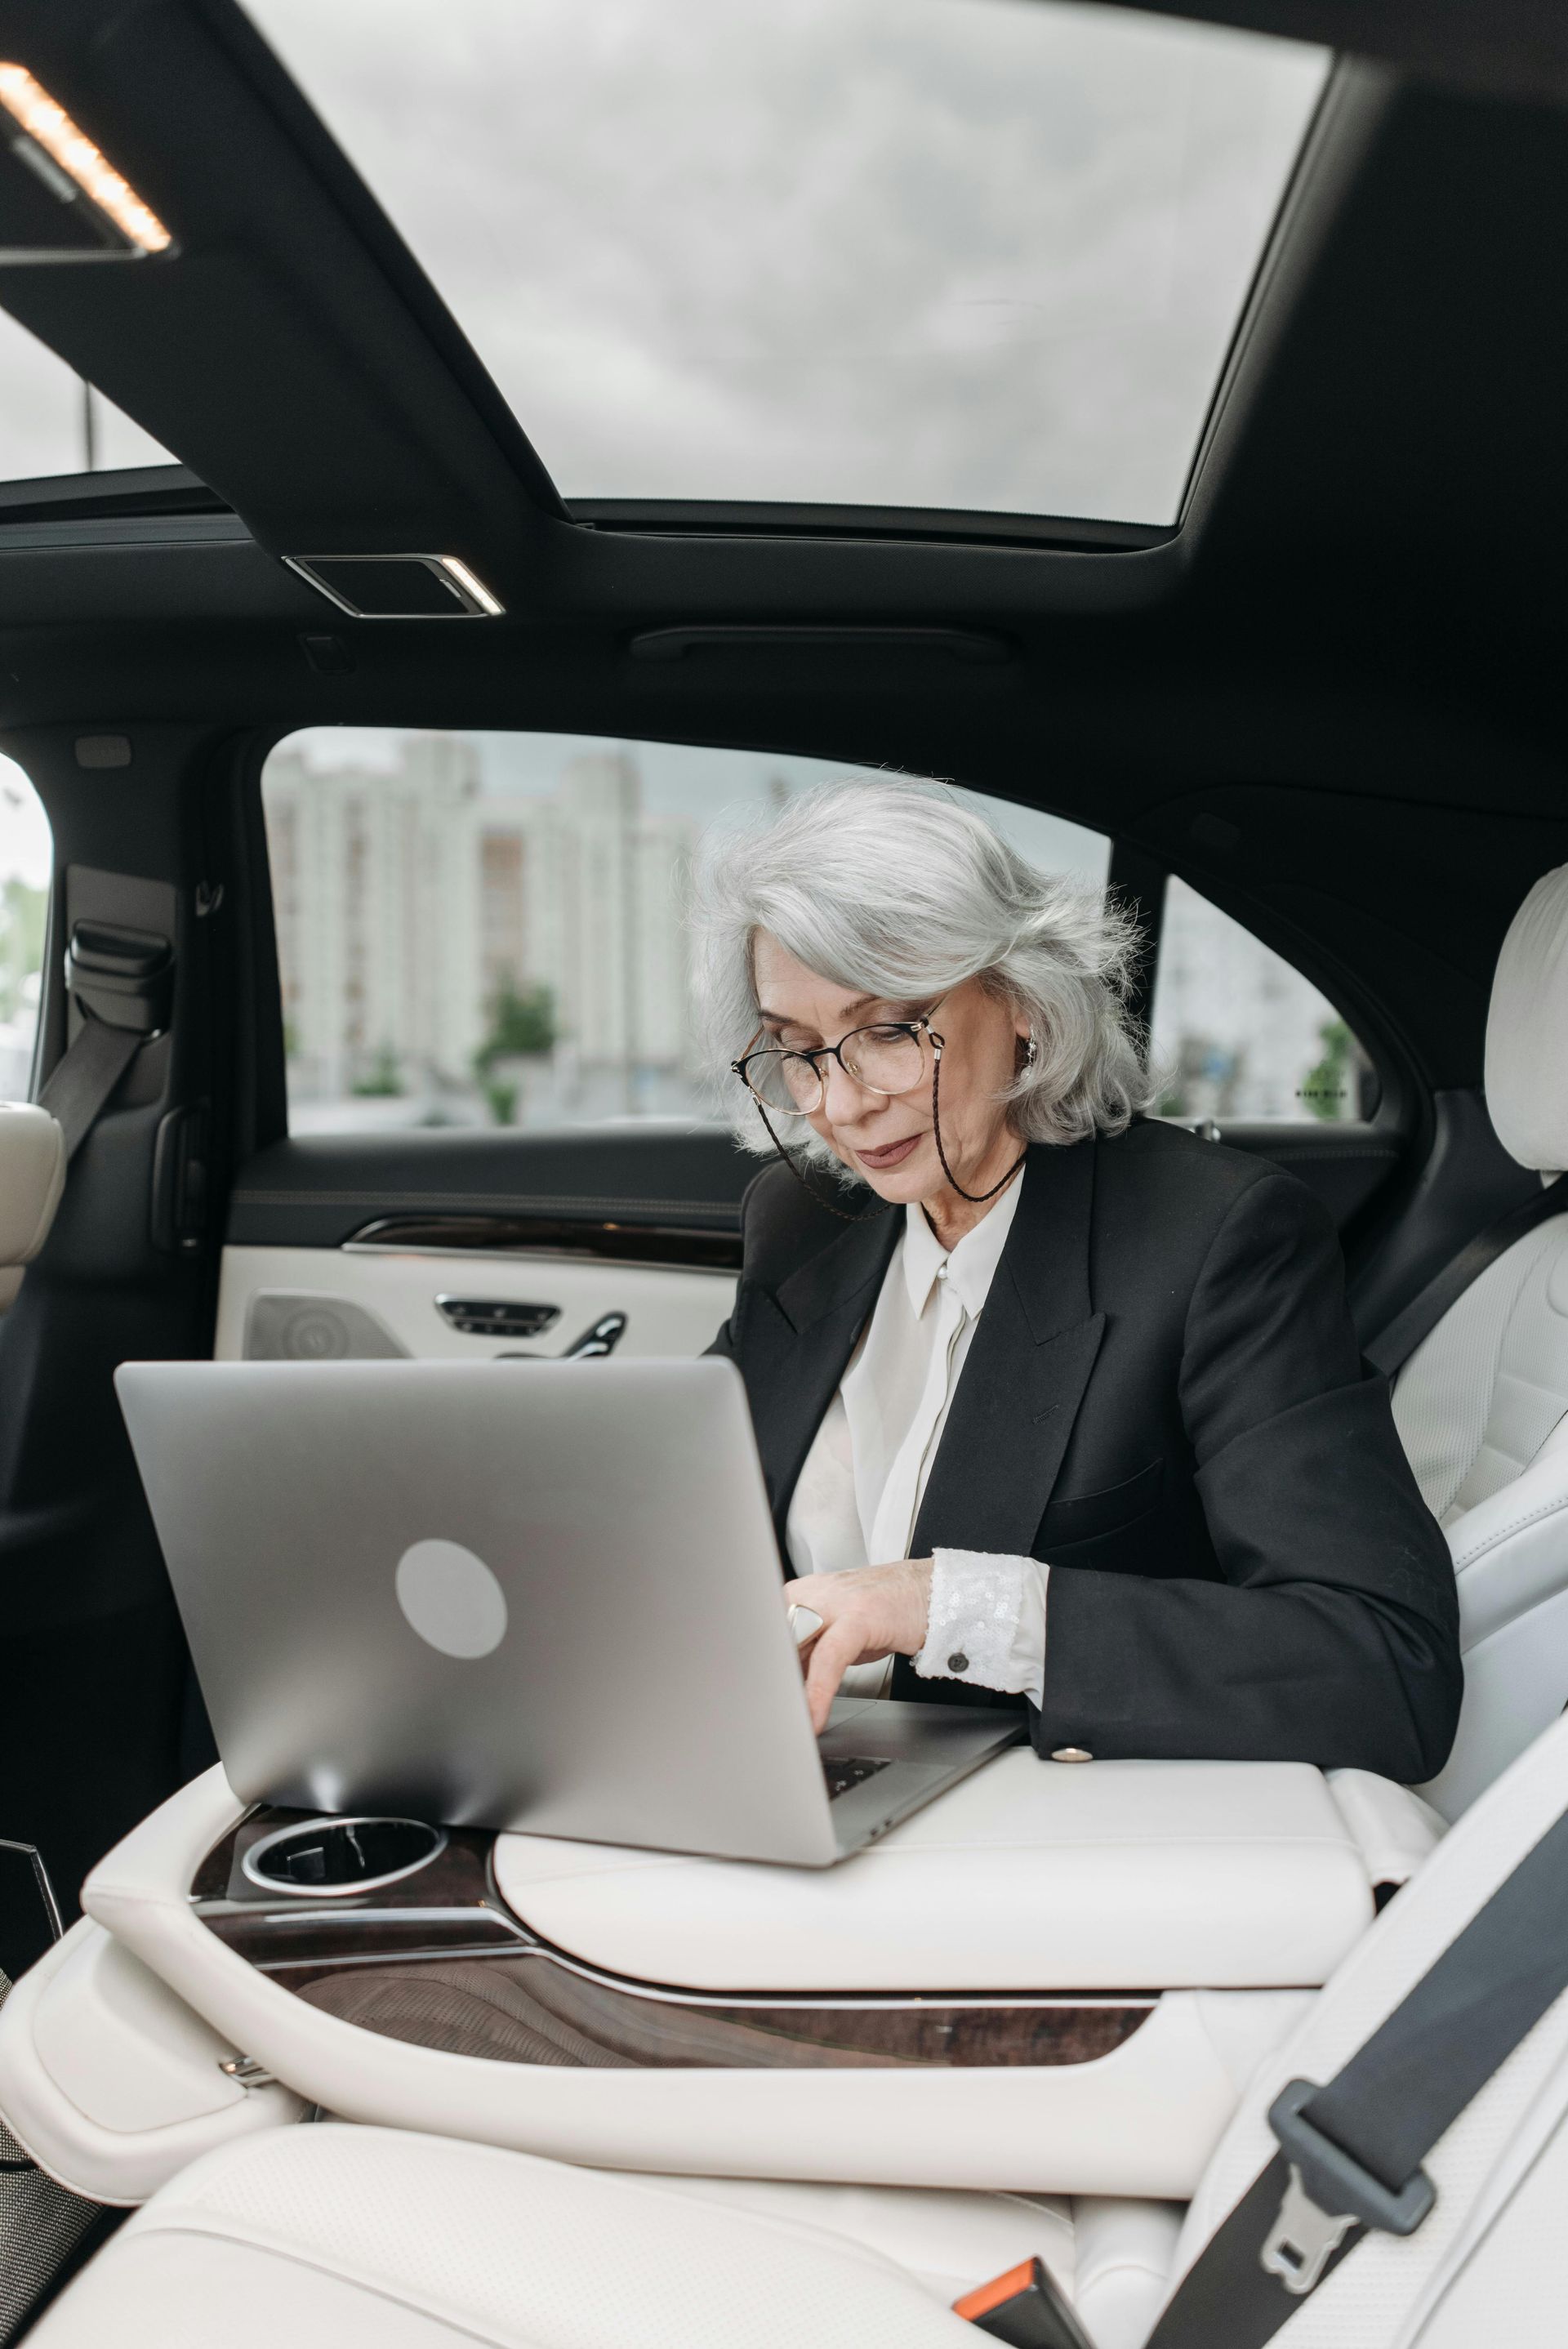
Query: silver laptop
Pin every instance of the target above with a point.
(536, 1596)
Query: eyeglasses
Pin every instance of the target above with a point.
(887, 1057)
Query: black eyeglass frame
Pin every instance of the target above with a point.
(915, 1029)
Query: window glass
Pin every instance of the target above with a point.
(486, 928)
(52, 422)
(911, 252)
(27, 853)
(1239, 1034)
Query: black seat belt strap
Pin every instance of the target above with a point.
(122, 982)
(1395, 1343)
(1351, 2151)
(81, 1082)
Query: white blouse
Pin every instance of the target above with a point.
(859, 1490)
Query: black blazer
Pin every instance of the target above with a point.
(1165, 1401)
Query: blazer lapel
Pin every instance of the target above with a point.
(1002, 1448)
(798, 1341)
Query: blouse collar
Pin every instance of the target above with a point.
(971, 1265)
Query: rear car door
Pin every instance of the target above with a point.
(500, 1132)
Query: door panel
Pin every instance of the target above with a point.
(344, 1246)
(320, 1304)
(320, 1190)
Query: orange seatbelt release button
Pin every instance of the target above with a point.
(1024, 2307)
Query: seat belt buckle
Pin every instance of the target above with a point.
(1024, 2307)
(1326, 2194)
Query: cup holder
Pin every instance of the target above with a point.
(334, 1858)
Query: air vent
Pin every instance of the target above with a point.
(398, 586)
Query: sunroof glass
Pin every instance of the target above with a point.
(966, 253)
(52, 422)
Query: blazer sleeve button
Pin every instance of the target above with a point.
(1071, 1753)
(958, 1661)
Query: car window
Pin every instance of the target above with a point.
(52, 422)
(479, 929)
(1239, 1034)
(27, 854)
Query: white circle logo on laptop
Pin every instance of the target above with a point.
(452, 1598)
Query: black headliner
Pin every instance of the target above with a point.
(1329, 698)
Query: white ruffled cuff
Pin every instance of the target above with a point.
(987, 1623)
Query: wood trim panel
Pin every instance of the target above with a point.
(696, 1247)
(439, 1961)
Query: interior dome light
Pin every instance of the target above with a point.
(65, 159)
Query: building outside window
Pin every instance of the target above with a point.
(26, 856)
(489, 928)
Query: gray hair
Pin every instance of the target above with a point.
(900, 891)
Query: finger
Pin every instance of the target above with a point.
(838, 1648)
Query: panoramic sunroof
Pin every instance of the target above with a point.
(967, 254)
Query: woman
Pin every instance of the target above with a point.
(1056, 1403)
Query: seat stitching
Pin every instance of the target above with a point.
(1547, 1509)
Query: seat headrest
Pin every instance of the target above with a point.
(32, 1178)
(1527, 1030)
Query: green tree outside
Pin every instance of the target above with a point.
(520, 1025)
(384, 1081)
(23, 914)
(1329, 1083)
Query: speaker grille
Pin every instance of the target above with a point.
(299, 1326)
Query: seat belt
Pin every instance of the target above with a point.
(121, 981)
(1350, 2152)
(81, 1082)
(1399, 1338)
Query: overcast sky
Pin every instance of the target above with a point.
(958, 253)
(978, 252)
(703, 783)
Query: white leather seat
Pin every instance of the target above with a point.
(1483, 1403)
(32, 1178)
(332, 2236)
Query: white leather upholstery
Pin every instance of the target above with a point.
(347, 2236)
(334, 2237)
(1372, 2302)
(1395, 1830)
(110, 2082)
(1030, 1875)
(1111, 2257)
(435, 2240)
(1483, 1403)
(1482, 1396)
(32, 1178)
(1139, 2122)
(1527, 1022)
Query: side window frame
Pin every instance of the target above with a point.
(1141, 881)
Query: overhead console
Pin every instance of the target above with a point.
(1055, 1980)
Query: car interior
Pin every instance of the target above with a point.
(542, 437)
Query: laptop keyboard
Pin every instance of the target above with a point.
(852, 1771)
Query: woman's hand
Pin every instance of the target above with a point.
(869, 1612)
